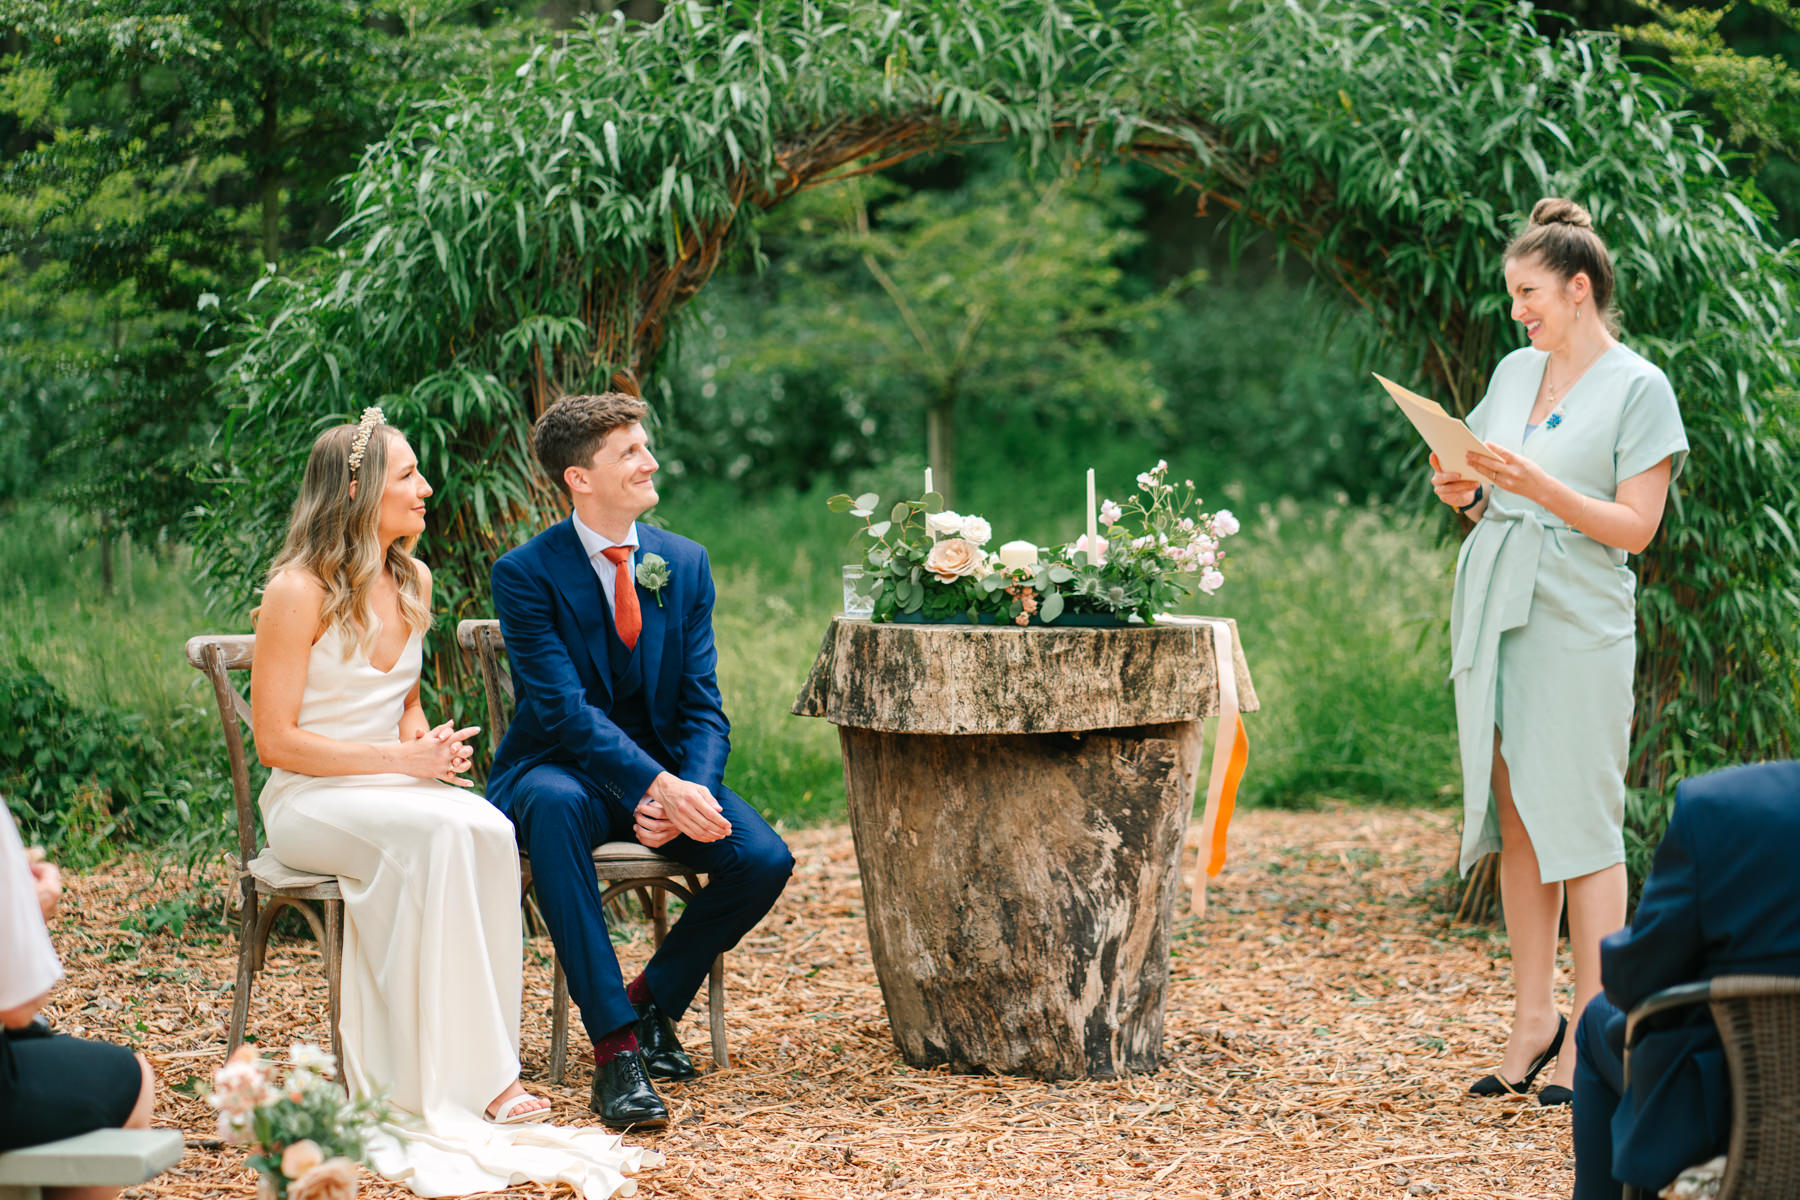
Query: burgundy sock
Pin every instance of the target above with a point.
(638, 991)
(619, 1041)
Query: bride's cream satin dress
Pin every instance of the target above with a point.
(432, 948)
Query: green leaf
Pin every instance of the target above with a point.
(1051, 608)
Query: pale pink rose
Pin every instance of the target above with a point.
(1110, 513)
(1212, 581)
(952, 559)
(300, 1158)
(1224, 524)
(976, 530)
(333, 1179)
(228, 1130)
(1096, 553)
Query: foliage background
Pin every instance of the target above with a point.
(1235, 209)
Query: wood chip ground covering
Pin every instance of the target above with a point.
(1323, 1022)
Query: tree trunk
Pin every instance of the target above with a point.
(106, 556)
(940, 447)
(268, 173)
(1018, 799)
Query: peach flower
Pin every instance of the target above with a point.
(300, 1158)
(952, 559)
(333, 1179)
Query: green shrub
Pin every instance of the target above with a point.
(74, 777)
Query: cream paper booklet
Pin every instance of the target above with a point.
(1450, 439)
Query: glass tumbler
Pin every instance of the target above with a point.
(859, 593)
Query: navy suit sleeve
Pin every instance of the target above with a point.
(602, 750)
(1664, 945)
(705, 737)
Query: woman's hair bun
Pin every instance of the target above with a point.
(1554, 210)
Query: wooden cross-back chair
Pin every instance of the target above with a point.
(266, 885)
(622, 867)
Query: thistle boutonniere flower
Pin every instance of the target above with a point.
(652, 574)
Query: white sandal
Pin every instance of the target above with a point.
(508, 1113)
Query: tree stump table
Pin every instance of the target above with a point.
(1018, 799)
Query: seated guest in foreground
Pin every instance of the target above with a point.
(365, 788)
(1722, 899)
(52, 1086)
(621, 735)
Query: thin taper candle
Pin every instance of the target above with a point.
(1093, 523)
(927, 480)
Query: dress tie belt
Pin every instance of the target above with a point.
(1498, 578)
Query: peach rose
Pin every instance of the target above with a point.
(952, 559)
(333, 1179)
(300, 1158)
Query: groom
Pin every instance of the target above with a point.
(620, 734)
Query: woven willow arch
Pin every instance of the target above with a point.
(525, 238)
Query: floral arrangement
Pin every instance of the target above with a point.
(928, 564)
(307, 1135)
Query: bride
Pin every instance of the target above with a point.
(365, 788)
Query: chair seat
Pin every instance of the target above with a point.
(274, 876)
(619, 861)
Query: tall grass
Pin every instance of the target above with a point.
(1343, 613)
(1342, 610)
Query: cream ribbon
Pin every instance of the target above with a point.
(1225, 745)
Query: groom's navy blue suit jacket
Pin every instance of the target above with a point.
(553, 616)
(1723, 898)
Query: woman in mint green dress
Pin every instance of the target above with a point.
(1586, 439)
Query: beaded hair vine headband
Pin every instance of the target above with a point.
(371, 417)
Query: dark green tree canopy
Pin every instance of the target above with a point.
(522, 239)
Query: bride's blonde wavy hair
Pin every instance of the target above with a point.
(332, 535)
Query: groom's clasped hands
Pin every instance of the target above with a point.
(674, 806)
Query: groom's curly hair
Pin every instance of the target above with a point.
(571, 430)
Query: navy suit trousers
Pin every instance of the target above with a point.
(560, 818)
(1599, 1084)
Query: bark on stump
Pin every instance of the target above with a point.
(1018, 799)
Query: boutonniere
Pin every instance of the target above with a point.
(652, 574)
(1553, 420)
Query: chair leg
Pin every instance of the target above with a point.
(246, 971)
(656, 901)
(715, 1007)
(334, 976)
(559, 1026)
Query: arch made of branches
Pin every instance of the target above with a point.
(523, 238)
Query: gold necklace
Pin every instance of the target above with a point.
(1550, 389)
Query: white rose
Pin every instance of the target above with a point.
(1019, 556)
(976, 530)
(1212, 581)
(943, 524)
(1223, 523)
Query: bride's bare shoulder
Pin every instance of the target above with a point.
(294, 586)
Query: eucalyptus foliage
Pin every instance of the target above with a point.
(527, 237)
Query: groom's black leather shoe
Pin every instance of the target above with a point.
(663, 1054)
(623, 1096)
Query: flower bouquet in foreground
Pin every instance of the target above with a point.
(927, 564)
(307, 1136)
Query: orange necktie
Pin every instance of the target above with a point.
(626, 615)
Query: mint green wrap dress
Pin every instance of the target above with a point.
(1544, 621)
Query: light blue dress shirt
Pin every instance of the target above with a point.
(594, 544)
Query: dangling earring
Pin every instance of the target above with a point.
(1578, 312)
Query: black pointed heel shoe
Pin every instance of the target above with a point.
(1555, 1095)
(1493, 1085)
